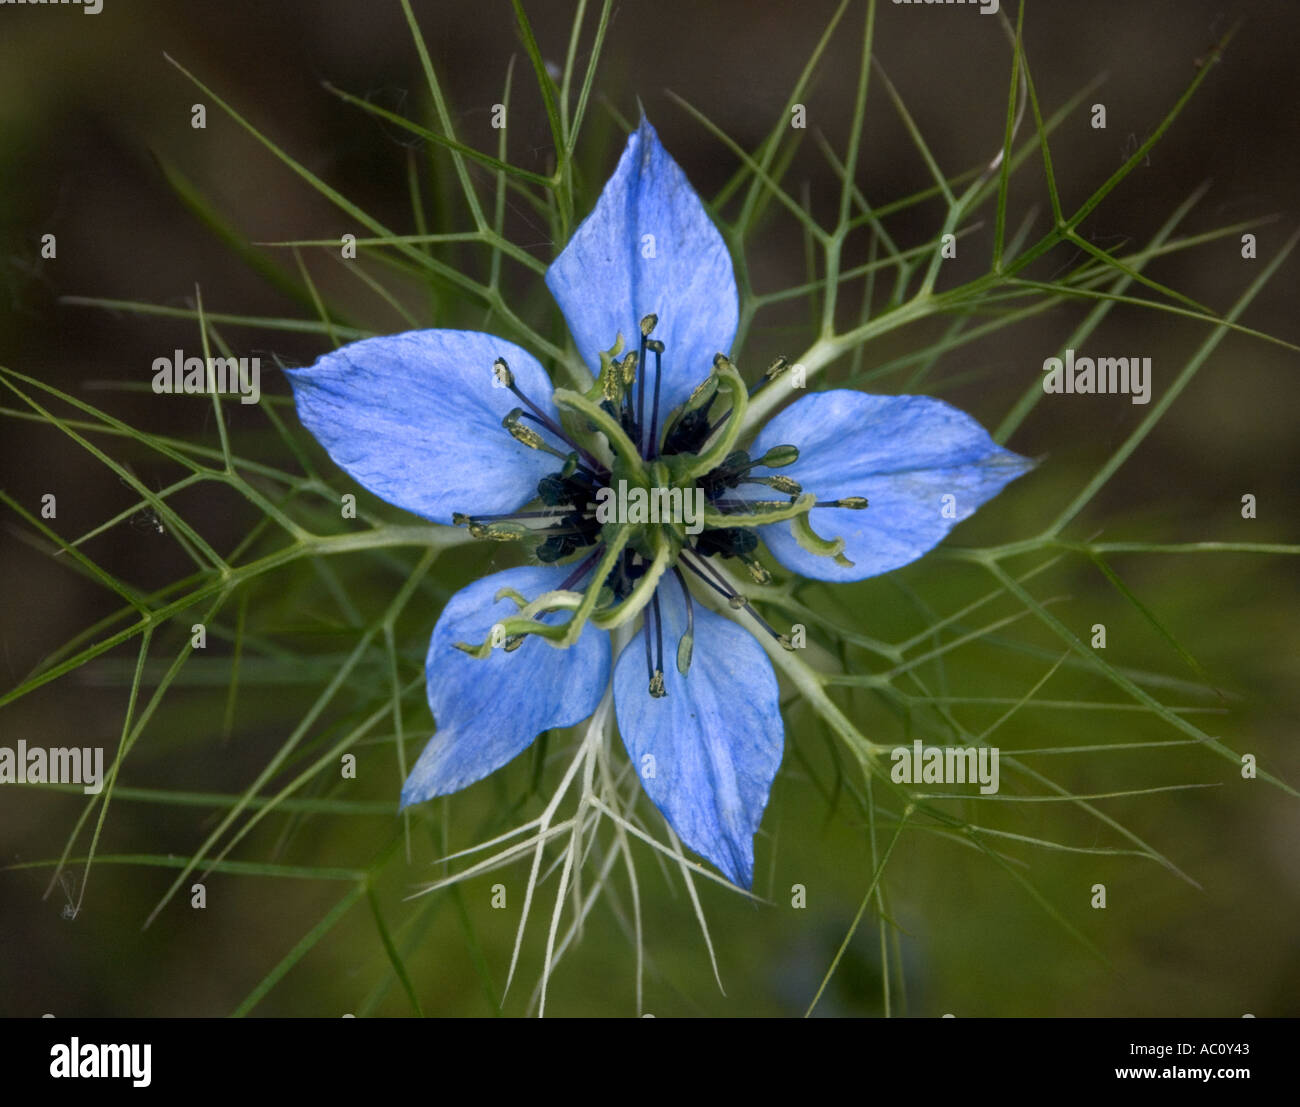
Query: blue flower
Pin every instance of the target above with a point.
(465, 428)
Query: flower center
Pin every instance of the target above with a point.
(635, 497)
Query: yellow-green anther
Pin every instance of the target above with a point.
(757, 573)
(655, 345)
(703, 393)
(785, 643)
(609, 382)
(737, 601)
(778, 457)
(648, 323)
(501, 371)
(499, 532)
(520, 433)
(857, 503)
(785, 484)
(657, 685)
(779, 366)
(629, 368)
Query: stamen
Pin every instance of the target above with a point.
(648, 324)
(628, 369)
(558, 513)
(527, 436)
(720, 361)
(780, 483)
(735, 599)
(773, 371)
(655, 684)
(685, 644)
(501, 371)
(757, 573)
(657, 680)
(610, 380)
(499, 532)
(649, 660)
(855, 503)
(652, 446)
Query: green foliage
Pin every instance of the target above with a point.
(973, 643)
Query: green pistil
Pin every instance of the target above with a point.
(811, 541)
(644, 588)
(618, 440)
(732, 385)
(582, 604)
(761, 513)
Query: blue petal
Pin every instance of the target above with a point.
(490, 709)
(605, 285)
(904, 454)
(716, 738)
(415, 418)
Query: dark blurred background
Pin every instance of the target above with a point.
(85, 103)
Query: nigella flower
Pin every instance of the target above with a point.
(628, 499)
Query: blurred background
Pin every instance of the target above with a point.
(90, 111)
